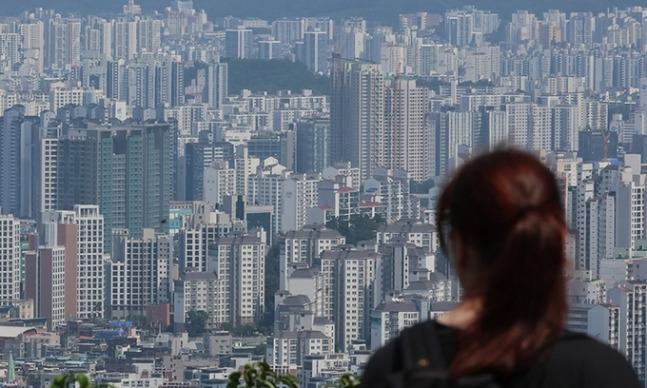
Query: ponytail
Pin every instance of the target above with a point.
(506, 205)
(531, 299)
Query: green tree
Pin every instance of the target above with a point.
(66, 380)
(347, 380)
(196, 322)
(138, 320)
(272, 269)
(260, 349)
(273, 75)
(226, 326)
(358, 228)
(246, 330)
(421, 187)
(259, 374)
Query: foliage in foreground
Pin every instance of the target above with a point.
(67, 380)
(259, 374)
(256, 375)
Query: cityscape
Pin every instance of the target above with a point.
(183, 193)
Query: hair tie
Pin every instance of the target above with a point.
(523, 212)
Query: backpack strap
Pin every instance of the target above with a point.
(421, 357)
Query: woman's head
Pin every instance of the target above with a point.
(502, 218)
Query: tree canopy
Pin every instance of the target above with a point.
(196, 322)
(273, 75)
(421, 187)
(358, 228)
(272, 270)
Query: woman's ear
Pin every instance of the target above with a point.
(459, 251)
(464, 257)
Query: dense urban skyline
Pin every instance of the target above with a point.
(142, 200)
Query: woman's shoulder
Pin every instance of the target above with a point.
(586, 348)
(412, 342)
(591, 362)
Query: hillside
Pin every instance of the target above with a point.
(271, 76)
(380, 10)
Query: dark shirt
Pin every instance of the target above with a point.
(575, 361)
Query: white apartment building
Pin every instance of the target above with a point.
(564, 123)
(299, 193)
(349, 278)
(630, 299)
(59, 97)
(90, 288)
(266, 190)
(219, 181)
(606, 225)
(452, 129)
(391, 187)
(305, 246)
(394, 267)
(540, 136)
(138, 273)
(587, 229)
(435, 288)
(239, 262)
(335, 200)
(308, 282)
(47, 190)
(293, 312)
(324, 368)
(9, 258)
(198, 291)
(630, 210)
(198, 232)
(90, 259)
(586, 291)
(600, 321)
(357, 111)
(289, 348)
(45, 283)
(520, 123)
(344, 174)
(420, 234)
(407, 140)
(389, 319)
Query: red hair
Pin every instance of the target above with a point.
(506, 206)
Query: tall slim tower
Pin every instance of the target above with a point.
(240, 267)
(18, 140)
(115, 76)
(149, 35)
(407, 133)
(125, 39)
(217, 84)
(90, 288)
(33, 41)
(349, 283)
(357, 114)
(176, 84)
(316, 51)
(239, 43)
(62, 43)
